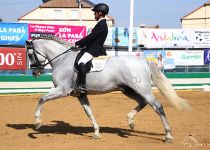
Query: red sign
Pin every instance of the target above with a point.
(12, 58)
(65, 32)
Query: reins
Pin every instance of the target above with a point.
(68, 50)
(38, 63)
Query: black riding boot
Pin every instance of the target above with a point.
(81, 85)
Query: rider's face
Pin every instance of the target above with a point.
(96, 15)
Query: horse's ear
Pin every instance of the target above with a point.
(28, 43)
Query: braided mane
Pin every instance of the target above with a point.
(54, 38)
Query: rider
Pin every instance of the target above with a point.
(92, 44)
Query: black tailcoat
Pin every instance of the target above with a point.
(93, 43)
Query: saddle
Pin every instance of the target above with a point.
(97, 64)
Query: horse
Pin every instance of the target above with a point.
(132, 75)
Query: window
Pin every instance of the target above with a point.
(74, 14)
(57, 14)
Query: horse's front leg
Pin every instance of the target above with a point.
(53, 94)
(86, 105)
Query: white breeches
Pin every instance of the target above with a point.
(85, 58)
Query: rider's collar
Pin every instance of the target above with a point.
(101, 19)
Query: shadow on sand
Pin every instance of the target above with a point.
(60, 127)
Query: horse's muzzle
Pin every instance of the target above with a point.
(37, 72)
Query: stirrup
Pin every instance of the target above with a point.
(78, 92)
(82, 90)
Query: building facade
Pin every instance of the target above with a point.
(64, 12)
(197, 19)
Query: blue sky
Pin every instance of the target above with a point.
(166, 13)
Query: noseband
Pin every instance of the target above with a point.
(37, 64)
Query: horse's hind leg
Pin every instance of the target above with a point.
(159, 110)
(141, 104)
(86, 106)
(132, 114)
(53, 94)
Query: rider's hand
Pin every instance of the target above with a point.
(74, 46)
(76, 43)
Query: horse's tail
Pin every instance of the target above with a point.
(164, 86)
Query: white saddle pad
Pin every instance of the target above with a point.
(99, 63)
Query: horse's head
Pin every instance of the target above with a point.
(36, 57)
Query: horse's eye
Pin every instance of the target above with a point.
(30, 56)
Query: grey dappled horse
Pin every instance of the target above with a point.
(132, 75)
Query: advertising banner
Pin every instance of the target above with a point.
(12, 59)
(121, 37)
(168, 38)
(141, 37)
(202, 38)
(187, 58)
(160, 58)
(109, 37)
(206, 56)
(13, 33)
(65, 32)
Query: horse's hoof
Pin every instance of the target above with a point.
(132, 125)
(38, 125)
(96, 137)
(169, 140)
(38, 122)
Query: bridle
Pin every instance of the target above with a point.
(38, 64)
